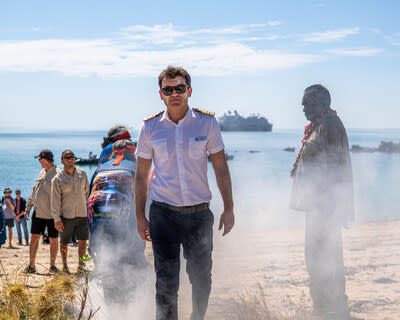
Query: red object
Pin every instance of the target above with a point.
(121, 154)
(122, 136)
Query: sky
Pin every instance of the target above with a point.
(88, 65)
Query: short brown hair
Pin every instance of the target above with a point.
(173, 72)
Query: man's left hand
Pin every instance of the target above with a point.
(227, 221)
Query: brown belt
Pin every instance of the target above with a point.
(183, 210)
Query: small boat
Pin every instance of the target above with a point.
(87, 161)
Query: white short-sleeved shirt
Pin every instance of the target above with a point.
(179, 153)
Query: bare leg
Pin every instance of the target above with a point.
(64, 253)
(81, 249)
(53, 250)
(10, 237)
(33, 248)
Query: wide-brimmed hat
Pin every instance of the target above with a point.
(7, 190)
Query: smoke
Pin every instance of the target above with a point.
(123, 281)
(139, 305)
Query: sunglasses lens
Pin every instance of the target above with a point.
(167, 91)
(179, 89)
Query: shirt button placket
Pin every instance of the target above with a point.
(179, 151)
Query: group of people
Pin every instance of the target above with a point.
(13, 213)
(176, 142)
(59, 201)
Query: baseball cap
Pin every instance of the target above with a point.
(45, 154)
(67, 152)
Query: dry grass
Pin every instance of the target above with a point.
(254, 306)
(63, 297)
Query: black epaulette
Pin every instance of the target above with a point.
(153, 116)
(207, 113)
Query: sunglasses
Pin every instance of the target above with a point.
(179, 89)
(69, 158)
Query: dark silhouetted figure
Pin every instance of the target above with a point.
(323, 188)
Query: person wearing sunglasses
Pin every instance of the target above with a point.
(41, 217)
(177, 141)
(69, 193)
(8, 204)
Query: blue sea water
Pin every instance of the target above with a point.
(259, 170)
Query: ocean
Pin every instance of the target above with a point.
(260, 172)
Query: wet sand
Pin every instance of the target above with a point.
(274, 260)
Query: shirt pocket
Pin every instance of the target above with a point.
(66, 186)
(81, 181)
(197, 147)
(160, 150)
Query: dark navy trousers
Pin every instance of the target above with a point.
(169, 230)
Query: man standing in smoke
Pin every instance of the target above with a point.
(177, 141)
(323, 188)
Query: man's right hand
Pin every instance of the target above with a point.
(142, 225)
(59, 226)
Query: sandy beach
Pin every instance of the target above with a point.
(274, 261)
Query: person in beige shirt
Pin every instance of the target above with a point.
(69, 193)
(40, 200)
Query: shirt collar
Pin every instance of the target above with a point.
(53, 167)
(189, 114)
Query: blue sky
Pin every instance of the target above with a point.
(92, 64)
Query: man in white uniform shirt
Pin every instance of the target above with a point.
(177, 141)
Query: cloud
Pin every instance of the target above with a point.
(394, 39)
(329, 36)
(107, 58)
(363, 52)
(35, 29)
(274, 23)
(157, 34)
(170, 34)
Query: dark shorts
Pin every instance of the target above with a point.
(39, 226)
(10, 223)
(79, 226)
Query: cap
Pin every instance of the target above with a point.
(7, 190)
(67, 152)
(45, 154)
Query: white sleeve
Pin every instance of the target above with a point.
(214, 143)
(144, 149)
